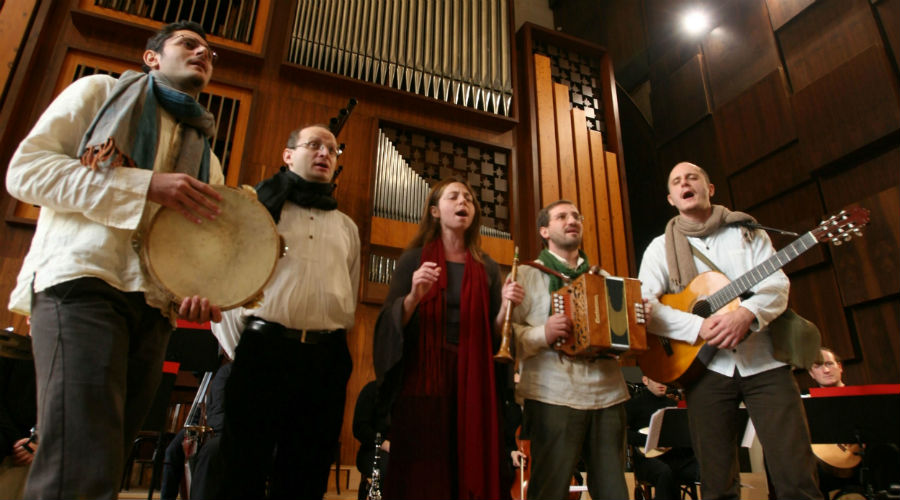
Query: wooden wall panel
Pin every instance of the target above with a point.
(889, 18)
(586, 192)
(799, 210)
(782, 11)
(667, 48)
(16, 241)
(871, 264)
(698, 146)
(769, 177)
(823, 37)
(622, 31)
(602, 201)
(816, 297)
(740, 51)
(687, 88)
(876, 328)
(14, 19)
(568, 183)
(546, 130)
(359, 343)
(676, 55)
(854, 183)
(617, 211)
(755, 123)
(849, 108)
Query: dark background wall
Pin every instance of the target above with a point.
(792, 106)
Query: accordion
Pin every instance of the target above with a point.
(607, 314)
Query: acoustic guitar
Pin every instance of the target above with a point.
(675, 361)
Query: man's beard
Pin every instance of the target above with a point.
(196, 82)
(567, 245)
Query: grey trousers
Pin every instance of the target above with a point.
(98, 356)
(561, 436)
(773, 402)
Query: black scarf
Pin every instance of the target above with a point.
(288, 186)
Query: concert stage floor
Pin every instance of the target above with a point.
(754, 488)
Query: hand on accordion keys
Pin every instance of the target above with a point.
(557, 329)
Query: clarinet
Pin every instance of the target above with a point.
(375, 487)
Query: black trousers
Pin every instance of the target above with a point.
(284, 406)
(773, 402)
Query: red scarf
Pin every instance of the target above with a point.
(477, 423)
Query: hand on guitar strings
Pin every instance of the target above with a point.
(726, 331)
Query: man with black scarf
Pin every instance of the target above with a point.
(287, 388)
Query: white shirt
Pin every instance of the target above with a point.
(87, 216)
(734, 256)
(546, 375)
(315, 285)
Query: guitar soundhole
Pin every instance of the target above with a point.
(702, 309)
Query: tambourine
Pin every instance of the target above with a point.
(228, 260)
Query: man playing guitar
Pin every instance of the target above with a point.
(742, 368)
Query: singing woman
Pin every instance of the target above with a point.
(433, 355)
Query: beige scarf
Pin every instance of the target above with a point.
(679, 258)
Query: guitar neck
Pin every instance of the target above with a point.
(737, 287)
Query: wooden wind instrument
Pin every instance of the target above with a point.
(503, 353)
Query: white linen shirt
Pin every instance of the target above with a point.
(314, 286)
(87, 216)
(734, 256)
(547, 375)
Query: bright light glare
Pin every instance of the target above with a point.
(695, 22)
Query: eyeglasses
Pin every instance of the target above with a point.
(564, 216)
(317, 146)
(190, 43)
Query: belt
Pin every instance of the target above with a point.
(305, 336)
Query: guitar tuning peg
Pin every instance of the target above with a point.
(837, 242)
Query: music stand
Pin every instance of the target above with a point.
(851, 419)
(674, 432)
(669, 429)
(862, 419)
